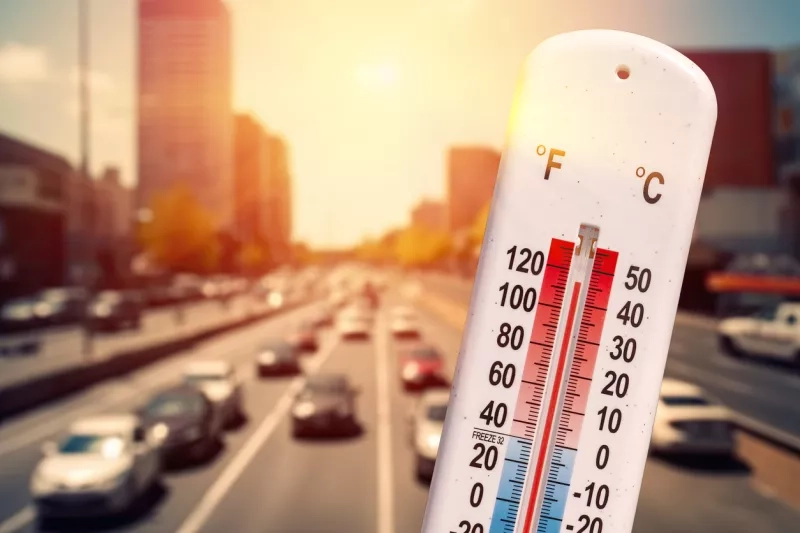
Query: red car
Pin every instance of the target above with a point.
(304, 338)
(420, 367)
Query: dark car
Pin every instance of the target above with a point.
(325, 405)
(115, 310)
(185, 423)
(304, 338)
(277, 358)
(421, 367)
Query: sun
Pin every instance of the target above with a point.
(378, 76)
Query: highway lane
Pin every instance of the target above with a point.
(683, 495)
(21, 438)
(265, 481)
(755, 388)
(63, 347)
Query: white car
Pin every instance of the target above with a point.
(218, 381)
(689, 422)
(427, 423)
(404, 323)
(101, 467)
(773, 332)
(354, 322)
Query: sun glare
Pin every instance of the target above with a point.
(378, 76)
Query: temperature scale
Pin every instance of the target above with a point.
(577, 288)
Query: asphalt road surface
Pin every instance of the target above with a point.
(63, 347)
(757, 388)
(265, 481)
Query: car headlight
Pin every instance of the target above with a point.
(433, 441)
(41, 484)
(267, 358)
(159, 432)
(101, 310)
(410, 371)
(304, 410)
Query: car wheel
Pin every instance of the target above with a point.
(45, 523)
(422, 470)
(726, 345)
(797, 360)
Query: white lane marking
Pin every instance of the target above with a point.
(22, 518)
(217, 491)
(384, 433)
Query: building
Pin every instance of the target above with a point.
(278, 200)
(471, 174)
(430, 214)
(787, 138)
(742, 152)
(33, 200)
(251, 173)
(185, 120)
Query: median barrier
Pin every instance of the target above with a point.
(36, 391)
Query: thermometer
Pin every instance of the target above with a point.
(557, 382)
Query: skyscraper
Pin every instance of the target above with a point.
(278, 203)
(185, 117)
(251, 172)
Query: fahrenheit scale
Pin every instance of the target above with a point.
(577, 287)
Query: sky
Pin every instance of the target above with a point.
(368, 94)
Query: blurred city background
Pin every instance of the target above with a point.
(249, 181)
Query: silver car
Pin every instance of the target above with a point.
(101, 467)
(427, 422)
(219, 382)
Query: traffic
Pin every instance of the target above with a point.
(274, 427)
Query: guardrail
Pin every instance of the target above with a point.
(19, 397)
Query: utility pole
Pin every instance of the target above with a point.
(86, 246)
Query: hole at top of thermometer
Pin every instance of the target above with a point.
(563, 354)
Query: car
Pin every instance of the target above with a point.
(404, 323)
(353, 325)
(115, 310)
(101, 467)
(420, 366)
(277, 358)
(218, 381)
(773, 332)
(304, 338)
(427, 423)
(325, 405)
(689, 422)
(185, 423)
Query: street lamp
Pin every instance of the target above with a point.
(83, 135)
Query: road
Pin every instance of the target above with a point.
(755, 388)
(265, 481)
(60, 348)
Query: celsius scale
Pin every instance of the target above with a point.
(561, 362)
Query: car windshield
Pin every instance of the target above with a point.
(106, 445)
(198, 379)
(324, 387)
(437, 412)
(175, 405)
(766, 313)
(427, 354)
(684, 401)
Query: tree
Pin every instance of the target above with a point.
(478, 228)
(417, 246)
(253, 258)
(180, 235)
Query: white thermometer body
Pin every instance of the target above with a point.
(572, 310)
